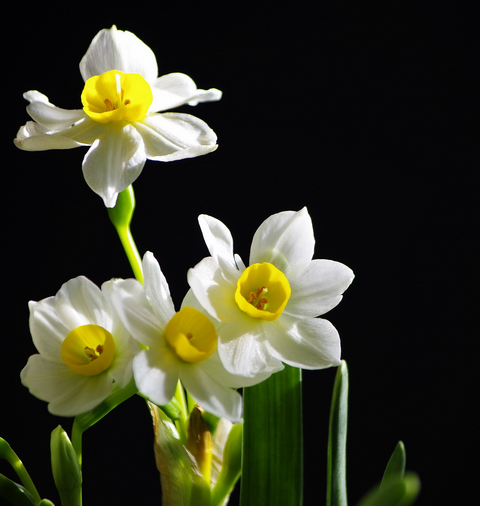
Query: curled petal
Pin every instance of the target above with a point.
(34, 137)
(317, 287)
(113, 49)
(285, 240)
(173, 90)
(114, 161)
(175, 136)
(49, 115)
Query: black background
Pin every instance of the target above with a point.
(362, 112)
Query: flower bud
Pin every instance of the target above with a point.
(65, 468)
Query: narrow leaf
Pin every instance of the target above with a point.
(15, 493)
(272, 463)
(396, 464)
(337, 440)
(395, 491)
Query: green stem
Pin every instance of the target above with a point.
(121, 216)
(82, 422)
(272, 463)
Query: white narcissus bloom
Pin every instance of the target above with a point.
(269, 309)
(83, 347)
(120, 119)
(180, 345)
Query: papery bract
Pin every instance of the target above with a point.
(120, 119)
(83, 348)
(269, 309)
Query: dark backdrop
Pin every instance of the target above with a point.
(363, 113)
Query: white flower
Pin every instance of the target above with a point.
(119, 119)
(269, 309)
(181, 345)
(83, 348)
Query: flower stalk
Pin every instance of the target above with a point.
(121, 217)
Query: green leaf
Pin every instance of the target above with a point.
(396, 464)
(337, 440)
(395, 491)
(15, 493)
(272, 466)
(12, 458)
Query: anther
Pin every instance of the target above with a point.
(109, 105)
(93, 354)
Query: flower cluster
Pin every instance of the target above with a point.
(236, 326)
(120, 118)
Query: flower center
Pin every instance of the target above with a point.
(191, 335)
(115, 96)
(262, 291)
(88, 350)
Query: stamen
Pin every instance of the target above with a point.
(261, 303)
(109, 105)
(189, 335)
(255, 300)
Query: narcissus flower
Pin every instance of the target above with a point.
(179, 345)
(269, 309)
(83, 347)
(120, 119)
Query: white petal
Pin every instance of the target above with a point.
(175, 136)
(308, 343)
(68, 393)
(33, 137)
(81, 302)
(125, 346)
(318, 287)
(48, 115)
(48, 332)
(243, 348)
(114, 161)
(214, 367)
(285, 240)
(219, 242)
(156, 374)
(157, 290)
(215, 293)
(211, 395)
(173, 90)
(113, 49)
(131, 304)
